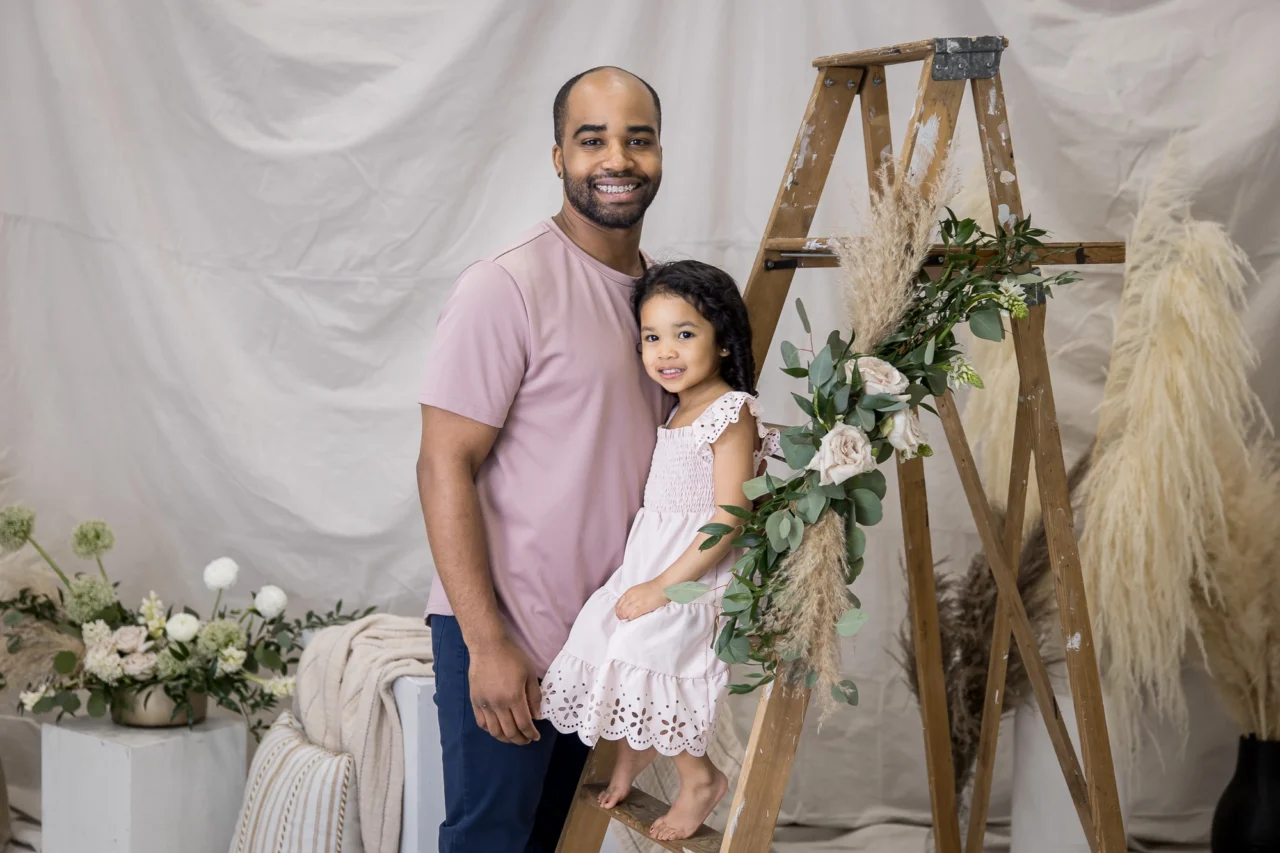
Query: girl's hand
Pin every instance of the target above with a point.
(641, 599)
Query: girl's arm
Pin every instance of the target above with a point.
(734, 464)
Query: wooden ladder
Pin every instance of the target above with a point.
(949, 64)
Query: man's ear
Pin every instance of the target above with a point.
(557, 160)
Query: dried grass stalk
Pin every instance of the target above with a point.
(878, 269)
(39, 642)
(1240, 617)
(966, 616)
(1176, 412)
(811, 597)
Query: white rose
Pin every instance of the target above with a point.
(29, 698)
(904, 433)
(221, 574)
(281, 686)
(104, 664)
(140, 665)
(230, 660)
(270, 601)
(182, 627)
(879, 376)
(845, 452)
(95, 633)
(131, 639)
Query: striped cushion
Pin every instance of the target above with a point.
(300, 798)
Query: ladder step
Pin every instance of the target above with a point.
(912, 51)
(638, 812)
(818, 252)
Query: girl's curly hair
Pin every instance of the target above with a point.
(714, 294)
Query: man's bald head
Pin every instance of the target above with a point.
(560, 109)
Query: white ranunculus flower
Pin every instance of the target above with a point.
(104, 664)
(182, 627)
(845, 452)
(95, 633)
(221, 574)
(132, 639)
(879, 376)
(140, 665)
(903, 432)
(230, 660)
(281, 686)
(270, 601)
(29, 698)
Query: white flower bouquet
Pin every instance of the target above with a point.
(239, 657)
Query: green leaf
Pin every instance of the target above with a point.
(834, 491)
(773, 528)
(709, 543)
(97, 704)
(874, 481)
(811, 680)
(790, 355)
(822, 370)
(846, 691)
(69, 701)
(863, 419)
(798, 452)
(929, 349)
(867, 506)
(805, 404)
(683, 593)
(883, 454)
(936, 379)
(757, 488)
(64, 662)
(856, 541)
(740, 512)
(851, 622)
(811, 506)
(835, 343)
(271, 659)
(986, 324)
(797, 534)
(798, 372)
(726, 634)
(716, 529)
(804, 317)
(855, 569)
(737, 602)
(737, 651)
(13, 644)
(13, 618)
(842, 399)
(881, 402)
(784, 526)
(916, 393)
(44, 706)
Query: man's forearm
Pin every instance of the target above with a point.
(455, 529)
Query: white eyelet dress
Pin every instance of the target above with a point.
(655, 680)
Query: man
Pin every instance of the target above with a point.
(538, 424)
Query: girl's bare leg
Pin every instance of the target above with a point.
(630, 764)
(702, 786)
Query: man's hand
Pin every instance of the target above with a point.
(504, 693)
(641, 599)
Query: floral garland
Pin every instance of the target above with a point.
(240, 657)
(862, 407)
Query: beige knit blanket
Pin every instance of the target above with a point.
(345, 702)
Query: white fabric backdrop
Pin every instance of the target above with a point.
(226, 230)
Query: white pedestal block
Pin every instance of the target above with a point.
(112, 789)
(1043, 816)
(423, 771)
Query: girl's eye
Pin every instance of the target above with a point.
(650, 339)
(686, 335)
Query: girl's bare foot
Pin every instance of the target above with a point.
(702, 786)
(630, 764)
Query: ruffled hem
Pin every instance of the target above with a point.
(621, 701)
(728, 410)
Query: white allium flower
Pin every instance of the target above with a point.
(270, 601)
(29, 698)
(95, 633)
(104, 664)
(230, 660)
(221, 574)
(182, 627)
(281, 686)
(132, 639)
(140, 665)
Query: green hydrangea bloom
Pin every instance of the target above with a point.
(218, 635)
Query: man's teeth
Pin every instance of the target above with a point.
(610, 188)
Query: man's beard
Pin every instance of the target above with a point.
(583, 197)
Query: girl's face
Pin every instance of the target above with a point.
(677, 343)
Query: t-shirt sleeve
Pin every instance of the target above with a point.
(479, 355)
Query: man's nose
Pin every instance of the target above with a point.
(619, 158)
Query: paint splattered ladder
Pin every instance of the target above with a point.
(949, 64)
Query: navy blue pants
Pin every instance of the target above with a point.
(498, 797)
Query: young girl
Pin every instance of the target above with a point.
(638, 668)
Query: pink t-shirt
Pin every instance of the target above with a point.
(540, 342)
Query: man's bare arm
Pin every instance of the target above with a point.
(504, 689)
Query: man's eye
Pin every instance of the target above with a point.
(639, 142)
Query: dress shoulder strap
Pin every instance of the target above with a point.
(728, 410)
